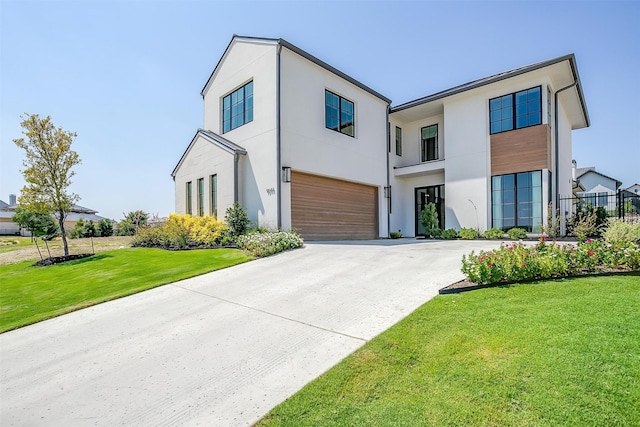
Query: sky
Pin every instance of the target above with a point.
(126, 75)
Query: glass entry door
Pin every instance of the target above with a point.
(431, 194)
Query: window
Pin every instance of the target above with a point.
(214, 195)
(517, 201)
(398, 141)
(189, 197)
(515, 111)
(603, 199)
(201, 197)
(429, 146)
(339, 114)
(237, 108)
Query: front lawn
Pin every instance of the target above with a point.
(553, 353)
(30, 294)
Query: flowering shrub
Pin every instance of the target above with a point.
(182, 231)
(517, 262)
(269, 243)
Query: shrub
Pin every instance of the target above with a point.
(587, 222)
(620, 231)
(517, 262)
(469, 233)
(429, 220)
(125, 228)
(395, 234)
(269, 243)
(517, 233)
(104, 228)
(493, 233)
(552, 228)
(237, 220)
(83, 228)
(182, 231)
(450, 233)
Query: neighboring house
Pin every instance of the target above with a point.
(635, 189)
(8, 227)
(300, 144)
(599, 189)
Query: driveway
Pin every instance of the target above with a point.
(223, 348)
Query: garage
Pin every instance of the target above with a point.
(331, 209)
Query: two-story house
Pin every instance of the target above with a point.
(302, 145)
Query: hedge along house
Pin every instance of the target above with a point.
(302, 145)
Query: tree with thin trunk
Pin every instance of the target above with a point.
(48, 162)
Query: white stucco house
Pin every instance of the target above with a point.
(599, 189)
(302, 145)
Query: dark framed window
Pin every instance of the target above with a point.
(516, 201)
(189, 197)
(429, 143)
(516, 110)
(214, 195)
(339, 114)
(603, 199)
(200, 196)
(237, 108)
(398, 141)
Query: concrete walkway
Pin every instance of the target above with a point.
(223, 348)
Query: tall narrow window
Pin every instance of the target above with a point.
(398, 141)
(189, 197)
(429, 144)
(339, 114)
(214, 195)
(237, 108)
(201, 197)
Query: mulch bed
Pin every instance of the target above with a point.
(60, 259)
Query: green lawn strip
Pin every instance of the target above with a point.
(552, 353)
(29, 294)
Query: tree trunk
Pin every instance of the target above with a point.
(63, 233)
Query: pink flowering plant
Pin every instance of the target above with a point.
(517, 262)
(261, 244)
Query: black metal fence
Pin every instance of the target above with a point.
(622, 204)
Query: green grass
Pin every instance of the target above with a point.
(553, 353)
(30, 294)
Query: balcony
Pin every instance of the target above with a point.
(432, 167)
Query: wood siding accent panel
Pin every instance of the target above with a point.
(331, 209)
(521, 150)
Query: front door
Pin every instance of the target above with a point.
(431, 194)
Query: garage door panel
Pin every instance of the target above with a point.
(330, 209)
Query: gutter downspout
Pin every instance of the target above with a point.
(236, 158)
(388, 173)
(556, 134)
(278, 136)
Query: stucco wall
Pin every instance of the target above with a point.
(308, 146)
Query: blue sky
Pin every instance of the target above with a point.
(126, 75)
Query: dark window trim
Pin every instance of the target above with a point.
(340, 124)
(514, 114)
(515, 200)
(423, 150)
(244, 106)
(398, 141)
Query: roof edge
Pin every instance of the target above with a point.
(215, 139)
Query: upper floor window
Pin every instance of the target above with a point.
(398, 141)
(339, 114)
(237, 108)
(516, 110)
(429, 143)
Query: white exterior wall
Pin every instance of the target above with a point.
(203, 160)
(403, 213)
(308, 146)
(565, 179)
(593, 182)
(246, 61)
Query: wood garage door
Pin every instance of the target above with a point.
(331, 209)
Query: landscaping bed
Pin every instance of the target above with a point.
(60, 259)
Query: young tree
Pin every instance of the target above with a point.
(48, 163)
(38, 224)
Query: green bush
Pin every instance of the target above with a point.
(395, 234)
(517, 233)
(429, 220)
(104, 228)
(448, 234)
(517, 262)
(620, 231)
(469, 233)
(183, 231)
(83, 228)
(237, 220)
(269, 243)
(587, 222)
(493, 233)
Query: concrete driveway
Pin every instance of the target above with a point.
(223, 348)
